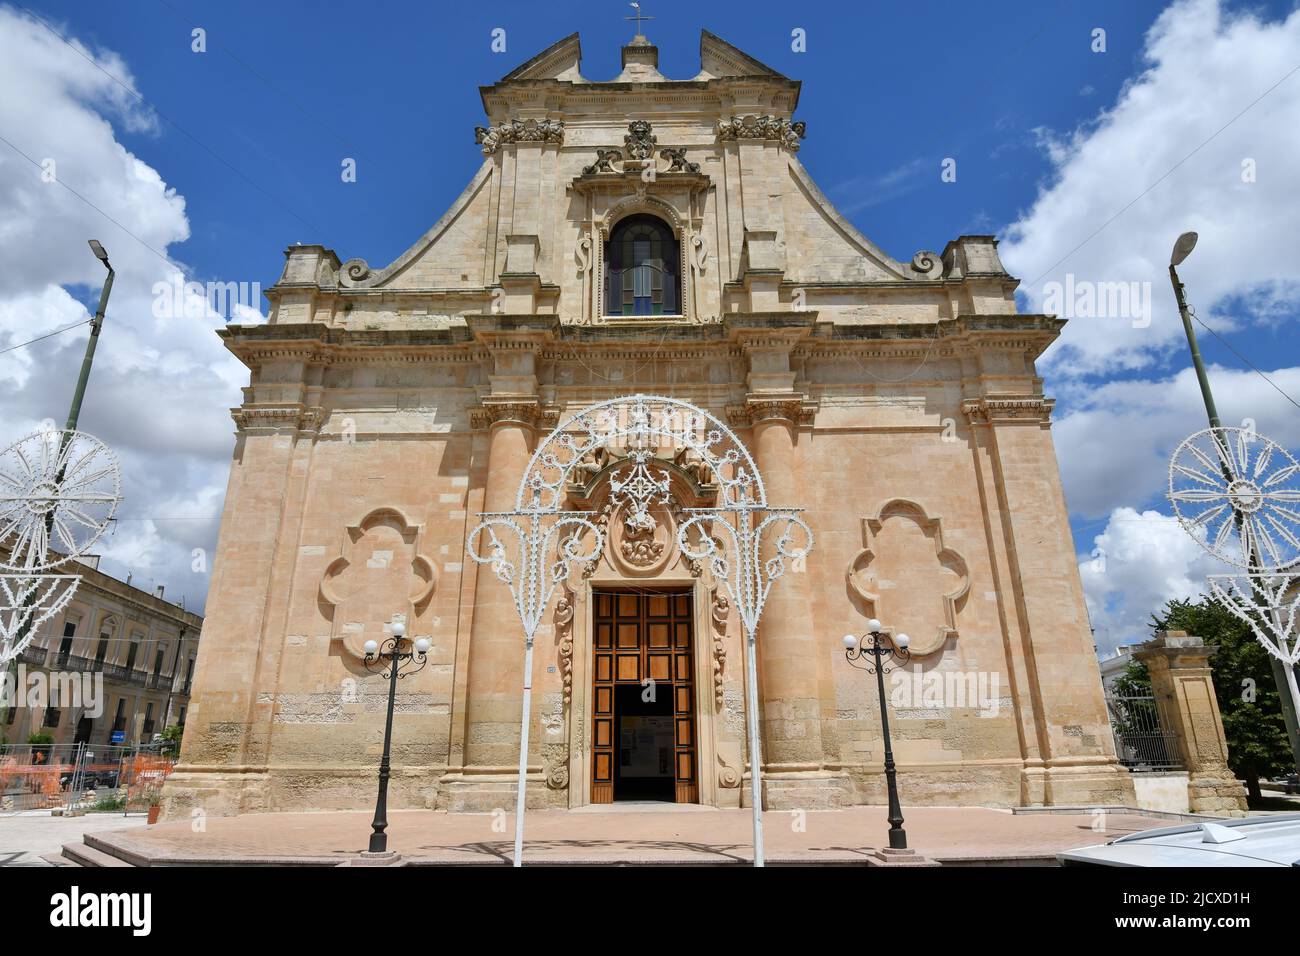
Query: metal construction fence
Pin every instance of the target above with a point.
(82, 777)
(1141, 741)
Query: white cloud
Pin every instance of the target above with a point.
(1204, 67)
(1136, 565)
(1115, 440)
(161, 385)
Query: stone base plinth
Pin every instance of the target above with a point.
(800, 790)
(367, 858)
(1088, 785)
(1220, 794)
(891, 857)
(491, 793)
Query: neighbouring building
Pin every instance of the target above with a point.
(658, 236)
(142, 645)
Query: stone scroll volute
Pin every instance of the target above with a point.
(906, 577)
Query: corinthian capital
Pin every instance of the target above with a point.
(794, 410)
(527, 412)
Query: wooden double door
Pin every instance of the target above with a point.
(643, 698)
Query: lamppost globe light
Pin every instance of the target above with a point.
(850, 641)
(422, 645)
(399, 629)
(1183, 248)
(97, 248)
(901, 642)
(873, 626)
(370, 647)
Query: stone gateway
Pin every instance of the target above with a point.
(656, 236)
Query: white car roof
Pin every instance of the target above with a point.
(1248, 841)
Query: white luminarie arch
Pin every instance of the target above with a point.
(1237, 493)
(519, 544)
(59, 490)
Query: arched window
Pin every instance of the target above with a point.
(642, 269)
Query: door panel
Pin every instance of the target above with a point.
(636, 636)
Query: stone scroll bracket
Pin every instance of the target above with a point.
(379, 572)
(907, 577)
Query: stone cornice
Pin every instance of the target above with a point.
(319, 343)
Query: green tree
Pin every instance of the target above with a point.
(1243, 683)
(171, 739)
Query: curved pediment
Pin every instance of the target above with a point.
(458, 231)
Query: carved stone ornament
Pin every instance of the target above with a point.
(927, 264)
(783, 131)
(492, 138)
(719, 614)
(677, 162)
(1008, 408)
(729, 778)
(795, 410)
(564, 635)
(907, 577)
(527, 413)
(604, 160)
(379, 565)
(639, 141)
(639, 145)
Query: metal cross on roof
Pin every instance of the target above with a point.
(638, 18)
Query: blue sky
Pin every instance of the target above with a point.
(235, 153)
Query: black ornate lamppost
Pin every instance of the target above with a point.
(401, 658)
(877, 653)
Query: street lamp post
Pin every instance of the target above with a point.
(1182, 249)
(74, 413)
(882, 653)
(402, 659)
(95, 325)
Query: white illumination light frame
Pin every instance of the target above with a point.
(545, 540)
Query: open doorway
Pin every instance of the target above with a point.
(644, 769)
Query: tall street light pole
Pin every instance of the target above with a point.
(402, 659)
(74, 413)
(1182, 249)
(95, 325)
(874, 646)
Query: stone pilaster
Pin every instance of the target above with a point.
(494, 686)
(1179, 665)
(223, 761)
(794, 774)
(1069, 758)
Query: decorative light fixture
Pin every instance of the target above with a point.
(1238, 494)
(545, 539)
(401, 658)
(878, 655)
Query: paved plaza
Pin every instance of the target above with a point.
(27, 837)
(618, 834)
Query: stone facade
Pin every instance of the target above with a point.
(144, 646)
(897, 401)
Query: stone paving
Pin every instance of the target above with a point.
(623, 835)
(26, 837)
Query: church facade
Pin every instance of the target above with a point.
(645, 235)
